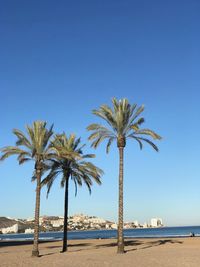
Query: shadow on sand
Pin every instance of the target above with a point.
(135, 243)
(30, 242)
(71, 245)
(130, 245)
(160, 243)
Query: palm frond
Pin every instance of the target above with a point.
(98, 140)
(12, 150)
(148, 132)
(75, 184)
(106, 115)
(88, 156)
(110, 140)
(49, 179)
(22, 139)
(47, 135)
(149, 142)
(137, 140)
(136, 114)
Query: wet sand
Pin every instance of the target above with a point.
(165, 252)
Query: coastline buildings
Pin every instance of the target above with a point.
(76, 222)
(29, 231)
(12, 229)
(156, 222)
(57, 223)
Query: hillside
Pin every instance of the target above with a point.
(6, 222)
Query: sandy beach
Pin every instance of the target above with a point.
(139, 252)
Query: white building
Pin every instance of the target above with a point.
(29, 231)
(12, 229)
(127, 226)
(95, 220)
(57, 223)
(145, 225)
(136, 223)
(107, 226)
(30, 219)
(78, 218)
(114, 226)
(156, 222)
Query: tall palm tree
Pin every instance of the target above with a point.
(32, 146)
(75, 168)
(123, 121)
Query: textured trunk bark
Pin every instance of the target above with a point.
(120, 242)
(35, 251)
(65, 215)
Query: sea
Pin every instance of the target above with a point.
(163, 232)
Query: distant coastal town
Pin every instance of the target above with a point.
(75, 222)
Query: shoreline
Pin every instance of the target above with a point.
(93, 230)
(159, 232)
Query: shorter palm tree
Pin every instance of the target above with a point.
(33, 146)
(75, 168)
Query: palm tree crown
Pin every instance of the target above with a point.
(33, 146)
(70, 163)
(123, 122)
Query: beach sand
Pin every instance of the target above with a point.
(164, 252)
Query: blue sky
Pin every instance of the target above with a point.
(61, 59)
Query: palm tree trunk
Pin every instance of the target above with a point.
(35, 251)
(120, 212)
(65, 215)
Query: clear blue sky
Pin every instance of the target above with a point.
(61, 59)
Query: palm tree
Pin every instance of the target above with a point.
(123, 123)
(74, 168)
(32, 146)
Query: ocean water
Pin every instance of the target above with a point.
(97, 234)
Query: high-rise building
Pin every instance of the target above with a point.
(156, 222)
